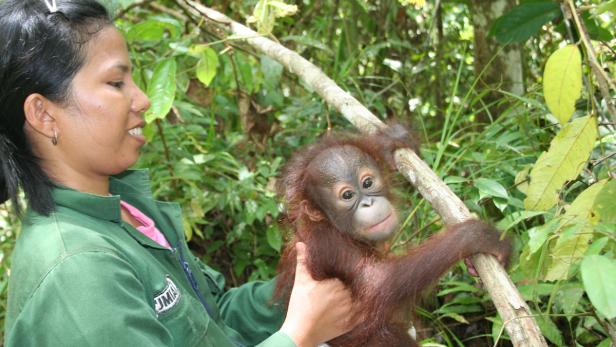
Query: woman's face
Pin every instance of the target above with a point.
(99, 130)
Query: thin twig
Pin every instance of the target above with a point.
(166, 148)
(601, 160)
(130, 7)
(169, 11)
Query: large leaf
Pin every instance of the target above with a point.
(574, 241)
(562, 82)
(600, 283)
(523, 21)
(582, 208)
(563, 161)
(569, 249)
(161, 90)
(605, 203)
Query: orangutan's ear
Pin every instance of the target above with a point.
(313, 214)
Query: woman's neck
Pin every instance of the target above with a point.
(93, 184)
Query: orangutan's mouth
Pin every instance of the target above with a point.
(380, 224)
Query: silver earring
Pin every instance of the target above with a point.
(54, 138)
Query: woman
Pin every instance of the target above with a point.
(99, 262)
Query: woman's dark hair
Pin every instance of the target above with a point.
(41, 52)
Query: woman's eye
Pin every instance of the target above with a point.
(368, 182)
(117, 84)
(347, 195)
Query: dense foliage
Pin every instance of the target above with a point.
(224, 119)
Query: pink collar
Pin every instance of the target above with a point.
(148, 228)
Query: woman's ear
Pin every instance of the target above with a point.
(38, 112)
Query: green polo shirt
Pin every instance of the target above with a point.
(83, 277)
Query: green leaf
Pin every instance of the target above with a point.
(263, 16)
(149, 131)
(161, 90)
(150, 30)
(455, 180)
(274, 239)
(531, 292)
(515, 218)
(605, 202)
(550, 330)
(244, 173)
(188, 230)
(246, 74)
(521, 179)
(250, 210)
(562, 82)
(281, 9)
(539, 234)
(456, 287)
(568, 298)
(600, 283)
(607, 6)
(574, 241)
(597, 246)
(154, 29)
(457, 317)
(568, 251)
(137, 75)
(581, 208)
(498, 331)
(172, 25)
(595, 31)
(490, 188)
(272, 71)
(563, 161)
(239, 265)
(207, 65)
(523, 21)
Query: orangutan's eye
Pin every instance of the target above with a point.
(368, 182)
(347, 195)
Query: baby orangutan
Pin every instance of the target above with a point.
(338, 204)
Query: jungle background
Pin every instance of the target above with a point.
(514, 109)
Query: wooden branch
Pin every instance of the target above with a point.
(516, 315)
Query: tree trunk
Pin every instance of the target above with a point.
(497, 66)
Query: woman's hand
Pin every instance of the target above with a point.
(318, 310)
